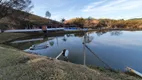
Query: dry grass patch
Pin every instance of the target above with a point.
(18, 65)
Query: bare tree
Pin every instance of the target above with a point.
(7, 7)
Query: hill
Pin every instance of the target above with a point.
(21, 20)
(136, 19)
(134, 24)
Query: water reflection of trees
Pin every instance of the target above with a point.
(88, 38)
(116, 33)
(113, 33)
(80, 34)
(99, 33)
(70, 35)
(85, 36)
(65, 38)
(51, 43)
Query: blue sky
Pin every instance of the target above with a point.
(115, 9)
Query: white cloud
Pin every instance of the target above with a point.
(108, 6)
(92, 5)
(67, 9)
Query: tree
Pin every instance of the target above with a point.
(63, 20)
(78, 22)
(89, 19)
(104, 23)
(89, 22)
(48, 14)
(7, 7)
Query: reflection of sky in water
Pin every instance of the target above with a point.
(119, 51)
(127, 40)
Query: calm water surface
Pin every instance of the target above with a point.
(118, 49)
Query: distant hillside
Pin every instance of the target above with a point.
(135, 23)
(136, 19)
(20, 21)
(81, 22)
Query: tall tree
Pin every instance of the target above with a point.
(7, 7)
(63, 20)
(48, 14)
(79, 22)
(89, 20)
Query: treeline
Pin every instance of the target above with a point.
(106, 23)
(120, 24)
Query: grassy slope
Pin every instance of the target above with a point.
(17, 65)
(33, 20)
(38, 19)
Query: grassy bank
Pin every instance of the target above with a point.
(4, 37)
(18, 65)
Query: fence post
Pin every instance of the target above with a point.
(84, 54)
(84, 49)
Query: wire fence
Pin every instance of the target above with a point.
(97, 56)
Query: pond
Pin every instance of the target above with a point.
(119, 49)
